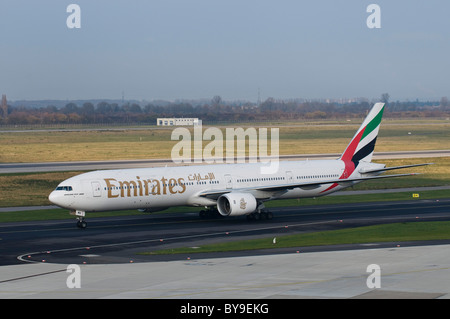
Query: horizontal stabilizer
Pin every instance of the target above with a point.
(391, 168)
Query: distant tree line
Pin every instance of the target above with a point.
(217, 110)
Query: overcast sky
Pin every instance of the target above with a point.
(175, 49)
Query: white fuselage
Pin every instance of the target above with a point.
(162, 187)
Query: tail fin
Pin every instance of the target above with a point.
(363, 143)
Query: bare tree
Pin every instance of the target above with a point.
(385, 98)
(216, 100)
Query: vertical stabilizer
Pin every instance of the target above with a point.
(362, 145)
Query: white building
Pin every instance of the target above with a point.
(176, 121)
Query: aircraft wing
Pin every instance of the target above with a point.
(316, 184)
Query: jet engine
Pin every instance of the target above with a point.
(236, 204)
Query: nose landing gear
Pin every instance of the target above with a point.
(81, 223)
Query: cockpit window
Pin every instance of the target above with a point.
(64, 188)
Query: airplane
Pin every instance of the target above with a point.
(225, 189)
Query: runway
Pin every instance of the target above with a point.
(9, 168)
(33, 253)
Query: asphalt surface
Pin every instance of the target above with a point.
(118, 239)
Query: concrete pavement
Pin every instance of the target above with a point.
(405, 272)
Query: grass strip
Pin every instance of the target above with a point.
(396, 232)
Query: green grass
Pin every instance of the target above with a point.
(396, 232)
(29, 189)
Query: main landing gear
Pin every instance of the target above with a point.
(81, 223)
(265, 214)
(259, 214)
(209, 213)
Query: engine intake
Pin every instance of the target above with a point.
(236, 204)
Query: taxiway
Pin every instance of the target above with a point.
(34, 256)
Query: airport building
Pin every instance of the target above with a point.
(177, 121)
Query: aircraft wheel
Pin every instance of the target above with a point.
(81, 224)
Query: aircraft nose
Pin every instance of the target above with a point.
(53, 197)
(56, 198)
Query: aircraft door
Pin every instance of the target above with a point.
(96, 189)
(289, 178)
(228, 181)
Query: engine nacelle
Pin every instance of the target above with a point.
(236, 204)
